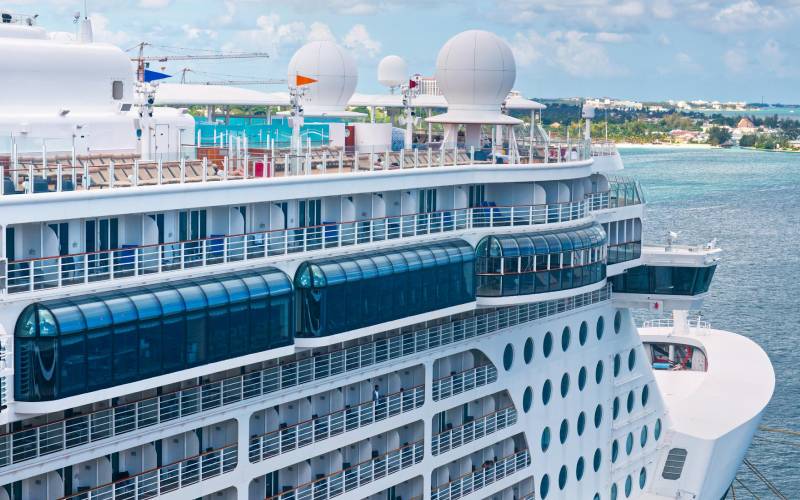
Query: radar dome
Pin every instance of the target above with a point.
(335, 72)
(392, 71)
(475, 71)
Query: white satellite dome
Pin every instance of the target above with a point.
(336, 75)
(475, 71)
(392, 71)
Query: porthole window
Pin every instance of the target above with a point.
(545, 439)
(582, 378)
(562, 477)
(645, 395)
(527, 399)
(547, 390)
(631, 359)
(508, 357)
(544, 486)
(596, 461)
(563, 431)
(598, 416)
(527, 351)
(617, 363)
(564, 385)
(643, 436)
(579, 469)
(565, 339)
(117, 90)
(657, 430)
(614, 451)
(581, 423)
(615, 409)
(642, 478)
(629, 443)
(597, 496)
(629, 403)
(601, 326)
(614, 491)
(628, 486)
(583, 333)
(598, 372)
(547, 345)
(617, 322)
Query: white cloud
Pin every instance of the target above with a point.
(270, 35)
(662, 9)
(735, 60)
(573, 52)
(746, 15)
(102, 32)
(664, 39)
(686, 62)
(154, 4)
(195, 33)
(359, 40)
(773, 58)
(319, 32)
(606, 37)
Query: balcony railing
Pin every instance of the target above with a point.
(27, 444)
(485, 476)
(476, 429)
(168, 478)
(670, 323)
(351, 478)
(467, 380)
(76, 269)
(604, 148)
(318, 429)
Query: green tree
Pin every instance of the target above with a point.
(718, 135)
(748, 141)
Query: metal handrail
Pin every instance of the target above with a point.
(670, 323)
(350, 478)
(274, 443)
(27, 275)
(166, 478)
(484, 476)
(466, 433)
(73, 432)
(466, 380)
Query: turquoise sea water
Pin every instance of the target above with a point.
(750, 202)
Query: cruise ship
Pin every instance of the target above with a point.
(315, 303)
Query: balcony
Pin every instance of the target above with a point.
(351, 478)
(318, 429)
(29, 275)
(482, 477)
(59, 171)
(457, 383)
(193, 402)
(476, 429)
(165, 479)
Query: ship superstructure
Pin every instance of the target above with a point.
(195, 317)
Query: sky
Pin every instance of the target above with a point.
(652, 50)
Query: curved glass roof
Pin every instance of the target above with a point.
(366, 265)
(516, 245)
(90, 312)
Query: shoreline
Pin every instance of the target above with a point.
(634, 145)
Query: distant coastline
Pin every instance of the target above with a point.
(634, 145)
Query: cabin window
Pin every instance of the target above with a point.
(116, 90)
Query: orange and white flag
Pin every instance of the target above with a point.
(301, 80)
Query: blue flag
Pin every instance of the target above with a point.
(151, 76)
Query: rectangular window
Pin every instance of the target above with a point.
(117, 90)
(10, 254)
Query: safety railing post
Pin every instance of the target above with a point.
(111, 174)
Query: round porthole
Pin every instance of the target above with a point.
(598, 416)
(562, 477)
(579, 469)
(545, 439)
(598, 372)
(564, 385)
(617, 322)
(581, 423)
(629, 443)
(645, 395)
(629, 402)
(547, 345)
(563, 431)
(628, 486)
(582, 378)
(617, 363)
(583, 333)
(614, 451)
(544, 486)
(657, 430)
(615, 409)
(508, 357)
(527, 351)
(643, 436)
(527, 399)
(565, 338)
(642, 478)
(631, 359)
(596, 461)
(614, 491)
(547, 390)
(601, 326)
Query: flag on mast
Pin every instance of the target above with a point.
(301, 80)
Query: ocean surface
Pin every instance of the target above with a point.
(750, 202)
(792, 113)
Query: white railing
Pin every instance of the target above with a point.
(27, 444)
(670, 323)
(76, 269)
(467, 380)
(476, 429)
(351, 478)
(165, 479)
(485, 476)
(604, 148)
(317, 429)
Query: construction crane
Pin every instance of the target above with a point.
(231, 81)
(142, 60)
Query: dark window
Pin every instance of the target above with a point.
(117, 90)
